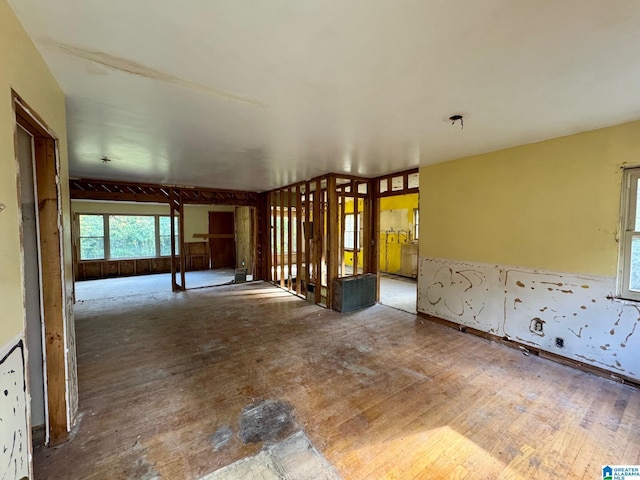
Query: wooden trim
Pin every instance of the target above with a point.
(213, 235)
(601, 372)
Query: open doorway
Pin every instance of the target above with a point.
(398, 240)
(51, 363)
(123, 248)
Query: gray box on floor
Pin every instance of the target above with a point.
(241, 275)
(354, 293)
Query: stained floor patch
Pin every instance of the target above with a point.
(265, 420)
(221, 438)
(294, 458)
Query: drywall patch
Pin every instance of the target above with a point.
(14, 450)
(265, 420)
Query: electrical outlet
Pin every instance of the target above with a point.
(559, 342)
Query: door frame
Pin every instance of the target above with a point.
(51, 266)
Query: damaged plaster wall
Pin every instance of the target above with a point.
(25, 72)
(523, 243)
(536, 308)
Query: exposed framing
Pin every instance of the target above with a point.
(52, 288)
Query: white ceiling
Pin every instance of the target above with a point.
(258, 94)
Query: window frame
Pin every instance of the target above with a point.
(629, 209)
(355, 244)
(416, 223)
(104, 237)
(107, 236)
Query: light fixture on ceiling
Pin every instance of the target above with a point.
(105, 159)
(455, 118)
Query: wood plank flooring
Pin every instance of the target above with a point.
(381, 393)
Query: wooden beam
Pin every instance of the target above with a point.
(47, 191)
(92, 189)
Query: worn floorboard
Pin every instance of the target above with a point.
(380, 393)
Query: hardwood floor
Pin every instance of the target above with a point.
(381, 393)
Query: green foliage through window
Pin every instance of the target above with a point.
(105, 236)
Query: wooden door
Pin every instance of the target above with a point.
(222, 240)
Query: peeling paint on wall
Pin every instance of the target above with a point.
(14, 434)
(537, 308)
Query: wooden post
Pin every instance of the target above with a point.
(282, 202)
(318, 234)
(373, 236)
(51, 291)
(308, 231)
(289, 239)
(182, 252)
(333, 231)
(356, 229)
(298, 239)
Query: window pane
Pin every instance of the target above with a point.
(397, 183)
(92, 248)
(132, 236)
(165, 225)
(414, 180)
(634, 275)
(384, 185)
(165, 245)
(637, 196)
(91, 226)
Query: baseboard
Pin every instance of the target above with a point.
(601, 372)
(38, 434)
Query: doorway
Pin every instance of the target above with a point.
(52, 363)
(31, 278)
(222, 239)
(399, 219)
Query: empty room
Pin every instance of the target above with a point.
(319, 240)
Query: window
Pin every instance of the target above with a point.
(629, 278)
(165, 235)
(351, 242)
(416, 223)
(106, 236)
(91, 237)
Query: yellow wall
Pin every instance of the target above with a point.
(551, 205)
(23, 69)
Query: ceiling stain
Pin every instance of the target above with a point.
(134, 68)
